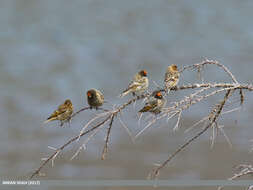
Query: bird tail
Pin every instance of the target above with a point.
(124, 93)
(49, 119)
(167, 89)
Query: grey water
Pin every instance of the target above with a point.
(54, 50)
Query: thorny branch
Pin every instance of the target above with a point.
(199, 67)
(169, 112)
(79, 111)
(111, 116)
(213, 116)
(243, 170)
(105, 150)
(53, 156)
(83, 109)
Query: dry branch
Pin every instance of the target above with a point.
(212, 117)
(105, 149)
(201, 91)
(243, 170)
(113, 113)
(65, 145)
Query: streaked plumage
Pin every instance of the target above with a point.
(95, 98)
(154, 104)
(63, 112)
(138, 85)
(171, 77)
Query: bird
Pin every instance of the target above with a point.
(95, 98)
(63, 113)
(154, 104)
(138, 84)
(171, 77)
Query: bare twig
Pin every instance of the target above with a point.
(244, 170)
(196, 124)
(186, 103)
(146, 127)
(213, 118)
(127, 129)
(224, 134)
(241, 96)
(83, 147)
(178, 119)
(86, 108)
(211, 62)
(98, 116)
(202, 92)
(105, 149)
(84, 132)
(215, 85)
(79, 111)
(65, 145)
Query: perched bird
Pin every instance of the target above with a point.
(95, 98)
(138, 85)
(171, 77)
(63, 113)
(155, 103)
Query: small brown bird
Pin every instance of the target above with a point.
(95, 98)
(171, 77)
(155, 104)
(63, 113)
(138, 85)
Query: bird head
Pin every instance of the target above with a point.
(143, 73)
(90, 94)
(173, 68)
(158, 95)
(68, 102)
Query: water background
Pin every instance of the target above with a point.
(54, 50)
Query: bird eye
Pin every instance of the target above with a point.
(159, 94)
(89, 94)
(145, 73)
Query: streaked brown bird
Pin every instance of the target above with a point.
(138, 85)
(155, 103)
(95, 98)
(63, 113)
(171, 77)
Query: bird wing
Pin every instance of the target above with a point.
(101, 96)
(133, 85)
(53, 116)
(153, 103)
(62, 108)
(136, 77)
(171, 79)
(150, 105)
(145, 108)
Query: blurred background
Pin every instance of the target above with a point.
(54, 50)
